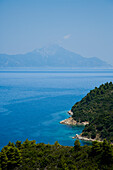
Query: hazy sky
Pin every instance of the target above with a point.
(82, 26)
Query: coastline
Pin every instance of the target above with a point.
(71, 121)
(68, 121)
(70, 112)
(85, 138)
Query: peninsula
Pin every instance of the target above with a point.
(95, 112)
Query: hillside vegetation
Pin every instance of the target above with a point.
(32, 156)
(96, 108)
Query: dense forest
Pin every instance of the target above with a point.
(29, 155)
(96, 108)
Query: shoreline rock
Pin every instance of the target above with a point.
(71, 121)
(85, 138)
(70, 112)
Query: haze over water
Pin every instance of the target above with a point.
(33, 102)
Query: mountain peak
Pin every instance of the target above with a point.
(49, 49)
(51, 55)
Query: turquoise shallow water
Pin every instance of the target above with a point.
(33, 102)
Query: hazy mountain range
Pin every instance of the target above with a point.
(51, 56)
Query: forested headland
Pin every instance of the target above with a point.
(96, 108)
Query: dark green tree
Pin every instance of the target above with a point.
(77, 145)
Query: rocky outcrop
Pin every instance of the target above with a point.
(70, 112)
(71, 121)
(84, 138)
(82, 123)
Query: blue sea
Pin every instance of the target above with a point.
(34, 101)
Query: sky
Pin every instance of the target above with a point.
(82, 26)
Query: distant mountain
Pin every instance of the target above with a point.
(51, 56)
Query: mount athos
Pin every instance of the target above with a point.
(51, 56)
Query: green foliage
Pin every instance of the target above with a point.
(77, 145)
(10, 157)
(96, 108)
(56, 143)
(18, 144)
(31, 156)
(103, 154)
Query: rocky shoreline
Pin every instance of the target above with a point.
(70, 112)
(85, 138)
(71, 121)
(68, 121)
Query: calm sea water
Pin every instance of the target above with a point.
(33, 102)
